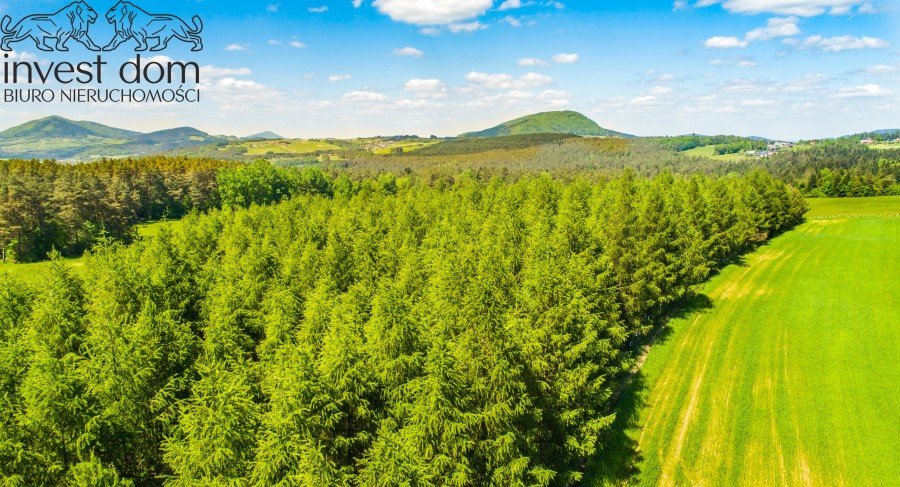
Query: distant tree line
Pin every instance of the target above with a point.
(741, 147)
(46, 204)
(377, 332)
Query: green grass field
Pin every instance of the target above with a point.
(34, 272)
(709, 151)
(787, 375)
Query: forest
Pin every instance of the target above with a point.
(45, 205)
(379, 332)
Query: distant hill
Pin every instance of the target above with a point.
(565, 122)
(75, 141)
(263, 136)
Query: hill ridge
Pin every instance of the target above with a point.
(552, 122)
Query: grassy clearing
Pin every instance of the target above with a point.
(709, 151)
(887, 146)
(787, 373)
(33, 273)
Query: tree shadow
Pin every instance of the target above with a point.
(618, 460)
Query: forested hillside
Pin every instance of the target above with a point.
(380, 332)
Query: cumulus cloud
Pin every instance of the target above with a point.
(426, 88)
(533, 61)
(801, 8)
(502, 81)
(564, 58)
(236, 47)
(363, 97)
(339, 77)
(466, 27)
(865, 91)
(432, 12)
(838, 44)
(775, 27)
(297, 44)
(661, 91)
(721, 42)
(318, 10)
(409, 51)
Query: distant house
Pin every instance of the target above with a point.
(868, 141)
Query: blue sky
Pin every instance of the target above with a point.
(342, 68)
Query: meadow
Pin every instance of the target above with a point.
(784, 372)
(709, 151)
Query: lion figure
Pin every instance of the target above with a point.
(72, 22)
(132, 22)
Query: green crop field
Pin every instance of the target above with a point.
(885, 146)
(406, 146)
(787, 375)
(261, 148)
(709, 151)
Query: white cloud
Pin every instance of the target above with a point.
(801, 8)
(757, 102)
(21, 56)
(235, 95)
(739, 62)
(510, 4)
(882, 69)
(409, 51)
(865, 91)
(679, 5)
(661, 91)
(775, 27)
(720, 42)
(502, 81)
(357, 3)
(297, 44)
(466, 27)
(509, 19)
(426, 88)
(318, 10)
(432, 12)
(533, 61)
(339, 77)
(274, 42)
(236, 47)
(838, 44)
(273, 7)
(429, 31)
(210, 71)
(363, 97)
(564, 58)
